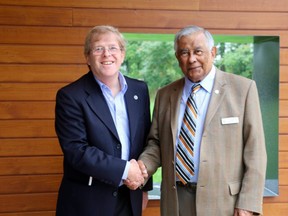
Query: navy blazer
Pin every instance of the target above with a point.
(91, 146)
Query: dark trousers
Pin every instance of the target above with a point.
(186, 200)
(123, 207)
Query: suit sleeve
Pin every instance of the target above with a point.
(149, 184)
(151, 155)
(254, 156)
(81, 157)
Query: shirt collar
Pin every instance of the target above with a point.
(122, 81)
(206, 83)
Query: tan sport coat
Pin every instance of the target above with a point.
(233, 157)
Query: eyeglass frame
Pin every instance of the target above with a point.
(100, 50)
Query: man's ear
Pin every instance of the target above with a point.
(214, 51)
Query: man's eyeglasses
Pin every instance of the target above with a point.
(100, 50)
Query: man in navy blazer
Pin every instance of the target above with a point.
(102, 121)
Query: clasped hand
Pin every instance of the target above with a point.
(136, 174)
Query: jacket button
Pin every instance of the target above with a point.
(115, 193)
(118, 146)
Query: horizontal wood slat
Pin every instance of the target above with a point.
(283, 108)
(283, 160)
(28, 202)
(283, 178)
(178, 19)
(255, 5)
(284, 56)
(283, 73)
(152, 208)
(131, 4)
(283, 88)
(42, 72)
(283, 39)
(27, 110)
(43, 35)
(27, 128)
(41, 54)
(29, 91)
(275, 209)
(282, 198)
(49, 3)
(283, 126)
(30, 184)
(36, 213)
(31, 165)
(76, 35)
(283, 143)
(30, 147)
(35, 16)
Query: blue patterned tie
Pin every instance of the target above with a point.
(185, 148)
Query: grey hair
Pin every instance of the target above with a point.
(102, 29)
(192, 30)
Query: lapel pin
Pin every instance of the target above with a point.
(217, 91)
(135, 97)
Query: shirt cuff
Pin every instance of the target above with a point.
(125, 173)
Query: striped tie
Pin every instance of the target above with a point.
(185, 149)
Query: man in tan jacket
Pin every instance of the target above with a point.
(229, 154)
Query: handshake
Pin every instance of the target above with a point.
(136, 175)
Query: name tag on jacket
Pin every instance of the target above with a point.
(230, 120)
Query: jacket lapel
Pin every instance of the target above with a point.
(98, 105)
(131, 97)
(217, 95)
(175, 100)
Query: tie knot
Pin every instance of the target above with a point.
(195, 88)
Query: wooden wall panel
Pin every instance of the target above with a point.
(283, 178)
(21, 184)
(283, 87)
(178, 19)
(26, 54)
(279, 199)
(35, 213)
(284, 73)
(30, 165)
(27, 202)
(43, 35)
(275, 209)
(44, 3)
(41, 50)
(283, 143)
(30, 147)
(43, 73)
(283, 108)
(131, 4)
(284, 56)
(27, 110)
(30, 91)
(283, 126)
(240, 5)
(283, 160)
(35, 16)
(26, 128)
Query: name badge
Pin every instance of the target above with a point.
(230, 120)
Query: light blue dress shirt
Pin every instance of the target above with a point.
(119, 114)
(202, 98)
